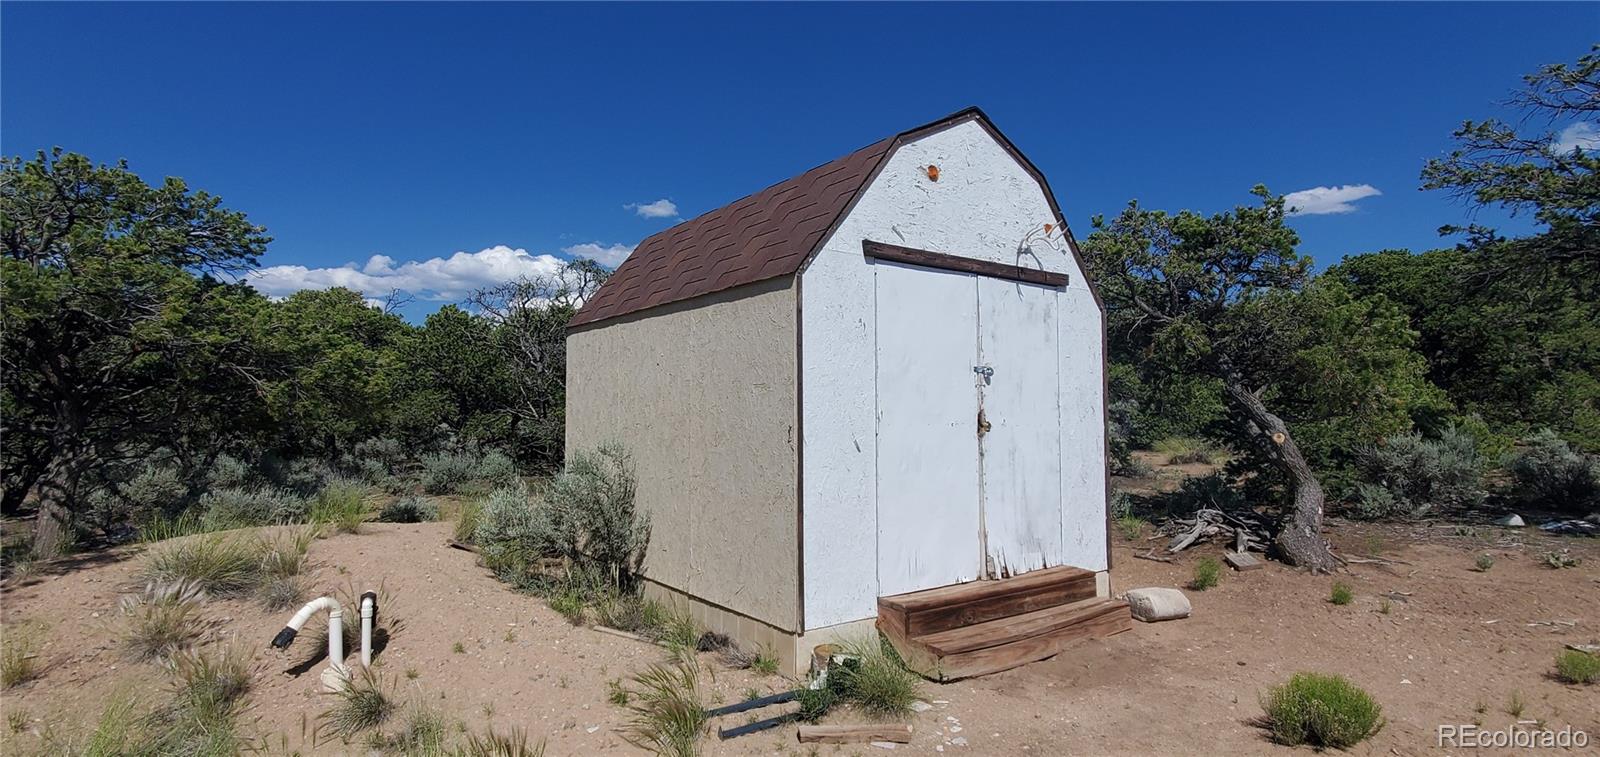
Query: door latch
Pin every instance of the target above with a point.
(985, 371)
(983, 423)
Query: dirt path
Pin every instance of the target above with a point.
(1453, 640)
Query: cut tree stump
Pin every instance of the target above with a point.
(852, 734)
(1241, 561)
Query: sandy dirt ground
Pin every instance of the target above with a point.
(1453, 647)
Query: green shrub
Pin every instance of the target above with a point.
(304, 476)
(155, 488)
(1207, 573)
(447, 472)
(1131, 526)
(342, 504)
(497, 469)
(218, 565)
(363, 703)
(228, 472)
(411, 508)
(1546, 471)
(1325, 711)
(467, 519)
(509, 534)
(161, 620)
(1577, 667)
(667, 716)
(390, 453)
(1341, 593)
(1409, 476)
(1185, 450)
(875, 680)
(589, 515)
(1483, 562)
(1558, 560)
(259, 506)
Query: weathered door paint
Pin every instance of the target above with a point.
(1021, 451)
(927, 487)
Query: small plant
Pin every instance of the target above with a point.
(1341, 594)
(617, 694)
(1131, 526)
(511, 636)
(814, 703)
(18, 660)
(220, 565)
(411, 508)
(1185, 450)
(1207, 574)
(457, 648)
(467, 521)
(668, 717)
(1385, 606)
(423, 733)
(363, 703)
(162, 619)
(412, 674)
(876, 680)
(569, 604)
(1325, 711)
(17, 720)
(1483, 562)
(341, 504)
(766, 663)
(210, 684)
(677, 631)
(1558, 560)
(447, 472)
(492, 744)
(1573, 666)
(1515, 705)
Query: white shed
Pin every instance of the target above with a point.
(881, 377)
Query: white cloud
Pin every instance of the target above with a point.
(1318, 201)
(1582, 135)
(437, 279)
(662, 208)
(609, 255)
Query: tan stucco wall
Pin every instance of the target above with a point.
(703, 394)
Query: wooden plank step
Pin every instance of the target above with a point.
(934, 610)
(1005, 643)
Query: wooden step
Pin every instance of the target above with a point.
(1005, 643)
(924, 612)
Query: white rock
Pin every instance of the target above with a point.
(920, 706)
(1513, 520)
(592, 728)
(959, 741)
(883, 744)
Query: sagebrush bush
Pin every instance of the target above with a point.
(228, 472)
(509, 534)
(162, 619)
(497, 469)
(1120, 504)
(254, 506)
(1573, 666)
(1409, 476)
(447, 472)
(1324, 711)
(157, 487)
(591, 518)
(341, 503)
(411, 508)
(390, 453)
(1549, 472)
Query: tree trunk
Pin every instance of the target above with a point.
(1299, 539)
(53, 522)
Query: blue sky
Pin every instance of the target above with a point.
(417, 131)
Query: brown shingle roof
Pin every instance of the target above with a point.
(763, 236)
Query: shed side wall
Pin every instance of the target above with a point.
(983, 206)
(703, 395)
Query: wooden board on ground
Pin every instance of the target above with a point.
(1241, 561)
(851, 734)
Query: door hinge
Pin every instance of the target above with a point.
(983, 423)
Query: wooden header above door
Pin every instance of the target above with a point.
(911, 255)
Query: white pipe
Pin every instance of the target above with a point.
(369, 613)
(335, 628)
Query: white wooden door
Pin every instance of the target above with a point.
(1021, 448)
(928, 522)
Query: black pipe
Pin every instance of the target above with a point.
(758, 702)
(284, 638)
(759, 725)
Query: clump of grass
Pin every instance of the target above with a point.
(1341, 593)
(628, 612)
(1559, 560)
(363, 703)
(765, 663)
(570, 604)
(281, 582)
(875, 679)
(814, 703)
(116, 732)
(457, 648)
(208, 690)
(159, 527)
(1131, 526)
(467, 520)
(1483, 562)
(18, 659)
(1515, 705)
(492, 744)
(1325, 711)
(617, 694)
(1385, 606)
(222, 566)
(1573, 666)
(1207, 574)
(1185, 450)
(423, 732)
(162, 619)
(17, 720)
(341, 504)
(411, 508)
(677, 631)
(668, 716)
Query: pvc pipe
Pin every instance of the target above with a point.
(369, 616)
(335, 628)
